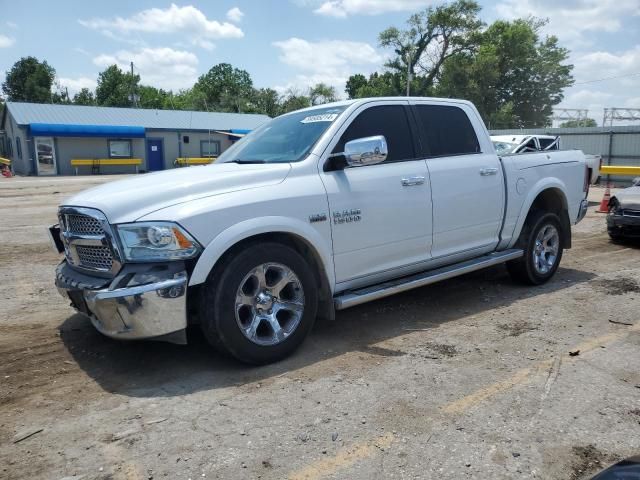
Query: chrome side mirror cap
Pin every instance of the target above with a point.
(366, 151)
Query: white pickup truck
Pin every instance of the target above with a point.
(315, 211)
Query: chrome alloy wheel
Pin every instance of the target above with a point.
(269, 304)
(545, 250)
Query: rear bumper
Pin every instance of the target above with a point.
(151, 304)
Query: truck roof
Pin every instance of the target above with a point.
(358, 101)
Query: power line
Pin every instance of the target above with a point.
(608, 78)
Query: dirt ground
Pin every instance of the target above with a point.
(475, 377)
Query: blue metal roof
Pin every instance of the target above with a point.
(59, 130)
(150, 119)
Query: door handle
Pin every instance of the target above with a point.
(488, 171)
(412, 181)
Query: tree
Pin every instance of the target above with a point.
(387, 84)
(60, 95)
(354, 84)
(225, 89)
(432, 37)
(84, 97)
(585, 122)
(266, 101)
(152, 97)
(115, 87)
(294, 100)
(322, 93)
(29, 80)
(514, 78)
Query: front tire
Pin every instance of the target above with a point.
(541, 240)
(262, 303)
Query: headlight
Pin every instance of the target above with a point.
(156, 241)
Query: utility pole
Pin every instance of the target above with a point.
(133, 98)
(408, 73)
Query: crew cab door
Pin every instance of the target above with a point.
(466, 179)
(380, 214)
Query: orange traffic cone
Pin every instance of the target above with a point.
(604, 204)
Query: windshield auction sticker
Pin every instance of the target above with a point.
(326, 117)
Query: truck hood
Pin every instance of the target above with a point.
(129, 199)
(629, 198)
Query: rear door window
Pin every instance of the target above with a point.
(446, 130)
(388, 120)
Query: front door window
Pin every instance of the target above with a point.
(45, 156)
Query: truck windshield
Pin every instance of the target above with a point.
(504, 148)
(284, 139)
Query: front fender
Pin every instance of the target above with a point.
(540, 186)
(256, 226)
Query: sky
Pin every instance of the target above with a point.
(296, 43)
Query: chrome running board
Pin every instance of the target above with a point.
(352, 298)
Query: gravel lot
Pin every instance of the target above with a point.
(470, 378)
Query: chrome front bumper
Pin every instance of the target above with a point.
(154, 309)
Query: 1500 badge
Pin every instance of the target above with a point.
(347, 216)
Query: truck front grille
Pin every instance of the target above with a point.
(88, 241)
(83, 225)
(98, 258)
(631, 213)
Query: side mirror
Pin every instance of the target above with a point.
(366, 151)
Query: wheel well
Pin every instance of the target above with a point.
(325, 301)
(553, 200)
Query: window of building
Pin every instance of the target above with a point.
(446, 130)
(209, 148)
(9, 148)
(185, 139)
(18, 147)
(119, 148)
(388, 120)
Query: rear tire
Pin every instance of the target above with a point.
(541, 240)
(261, 305)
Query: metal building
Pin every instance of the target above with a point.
(44, 139)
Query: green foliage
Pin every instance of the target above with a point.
(585, 122)
(84, 97)
(267, 101)
(115, 87)
(294, 100)
(322, 93)
(431, 37)
(152, 97)
(354, 84)
(514, 78)
(387, 84)
(29, 80)
(224, 89)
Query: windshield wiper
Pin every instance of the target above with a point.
(247, 162)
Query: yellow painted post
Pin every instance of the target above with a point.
(620, 170)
